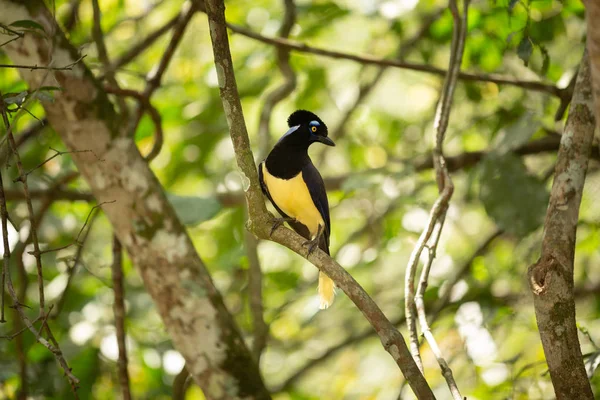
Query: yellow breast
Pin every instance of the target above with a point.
(293, 198)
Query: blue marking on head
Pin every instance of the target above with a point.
(289, 132)
(314, 123)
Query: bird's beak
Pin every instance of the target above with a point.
(325, 140)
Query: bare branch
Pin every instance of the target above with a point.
(371, 60)
(551, 277)
(154, 78)
(21, 178)
(67, 67)
(420, 305)
(181, 383)
(144, 103)
(119, 312)
(98, 36)
(438, 211)
(36, 245)
(73, 268)
(260, 221)
(77, 240)
(54, 348)
(145, 43)
(365, 89)
(29, 132)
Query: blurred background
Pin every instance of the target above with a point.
(501, 142)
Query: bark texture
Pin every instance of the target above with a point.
(592, 16)
(145, 223)
(551, 278)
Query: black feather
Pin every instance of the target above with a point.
(316, 187)
(301, 117)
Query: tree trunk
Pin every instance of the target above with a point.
(551, 278)
(145, 223)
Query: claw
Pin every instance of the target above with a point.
(314, 243)
(277, 222)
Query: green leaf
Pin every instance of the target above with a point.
(15, 98)
(512, 4)
(194, 210)
(546, 60)
(283, 280)
(516, 134)
(86, 367)
(525, 49)
(547, 30)
(28, 24)
(515, 200)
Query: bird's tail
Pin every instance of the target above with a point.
(326, 291)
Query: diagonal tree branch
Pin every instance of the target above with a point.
(440, 305)
(551, 277)
(260, 221)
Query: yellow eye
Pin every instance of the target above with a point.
(314, 129)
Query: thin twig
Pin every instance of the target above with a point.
(28, 133)
(98, 36)
(21, 178)
(420, 304)
(73, 269)
(145, 104)
(119, 312)
(6, 255)
(366, 59)
(77, 241)
(139, 48)
(438, 211)
(19, 307)
(36, 244)
(153, 79)
(67, 67)
(366, 88)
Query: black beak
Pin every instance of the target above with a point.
(325, 140)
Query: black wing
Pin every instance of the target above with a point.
(301, 229)
(316, 187)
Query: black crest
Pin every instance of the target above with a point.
(300, 117)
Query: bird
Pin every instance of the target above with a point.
(296, 189)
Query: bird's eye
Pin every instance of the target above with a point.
(314, 128)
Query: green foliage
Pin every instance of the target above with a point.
(515, 199)
(377, 212)
(194, 210)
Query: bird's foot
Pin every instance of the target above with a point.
(314, 243)
(277, 222)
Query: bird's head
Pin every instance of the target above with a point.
(306, 128)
